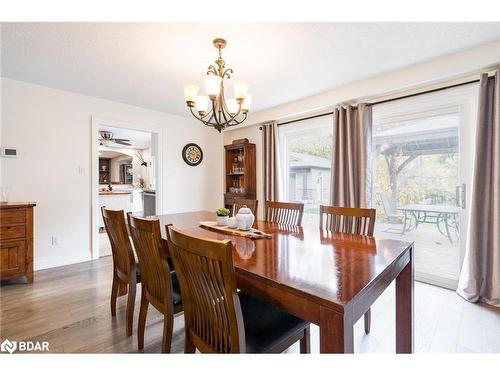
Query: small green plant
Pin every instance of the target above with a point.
(222, 212)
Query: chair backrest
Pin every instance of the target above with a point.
(239, 202)
(347, 220)
(152, 253)
(212, 311)
(284, 213)
(121, 248)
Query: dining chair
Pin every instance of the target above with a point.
(218, 319)
(126, 272)
(159, 284)
(349, 220)
(239, 202)
(284, 213)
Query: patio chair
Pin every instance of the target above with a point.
(392, 217)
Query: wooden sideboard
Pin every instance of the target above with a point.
(16, 240)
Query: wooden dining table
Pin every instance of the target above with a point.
(329, 279)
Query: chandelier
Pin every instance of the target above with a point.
(214, 109)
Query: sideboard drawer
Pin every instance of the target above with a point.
(12, 258)
(12, 216)
(12, 232)
(16, 240)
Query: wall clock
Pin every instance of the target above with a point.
(192, 154)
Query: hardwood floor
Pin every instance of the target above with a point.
(69, 307)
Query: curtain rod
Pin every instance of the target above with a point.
(388, 100)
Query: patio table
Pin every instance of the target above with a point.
(433, 214)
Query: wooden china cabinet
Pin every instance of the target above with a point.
(240, 171)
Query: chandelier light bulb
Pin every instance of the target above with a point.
(232, 106)
(190, 93)
(202, 104)
(213, 85)
(240, 89)
(247, 103)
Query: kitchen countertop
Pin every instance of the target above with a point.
(114, 192)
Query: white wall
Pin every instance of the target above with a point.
(52, 131)
(147, 173)
(454, 66)
(446, 68)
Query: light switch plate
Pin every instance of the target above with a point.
(8, 152)
(55, 240)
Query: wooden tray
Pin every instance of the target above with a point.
(252, 233)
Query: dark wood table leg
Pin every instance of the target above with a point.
(335, 332)
(404, 308)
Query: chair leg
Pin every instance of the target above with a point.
(168, 327)
(122, 289)
(143, 312)
(368, 319)
(305, 341)
(129, 319)
(189, 347)
(114, 293)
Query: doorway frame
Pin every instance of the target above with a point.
(158, 142)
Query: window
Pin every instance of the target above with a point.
(306, 154)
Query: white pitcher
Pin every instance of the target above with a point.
(245, 218)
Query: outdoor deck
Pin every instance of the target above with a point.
(434, 254)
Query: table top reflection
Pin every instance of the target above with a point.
(330, 267)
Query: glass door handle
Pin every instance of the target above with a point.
(460, 196)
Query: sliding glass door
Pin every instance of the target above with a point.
(422, 168)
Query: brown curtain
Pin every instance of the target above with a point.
(351, 159)
(270, 145)
(480, 276)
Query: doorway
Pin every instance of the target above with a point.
(422, 166)
(126, 174)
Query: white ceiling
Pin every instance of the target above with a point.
(139, 139)
(147, 64)
(110, 154)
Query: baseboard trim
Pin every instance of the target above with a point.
(59, 263)
(442, 282)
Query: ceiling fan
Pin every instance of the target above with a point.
(107, 137)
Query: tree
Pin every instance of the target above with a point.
(396, 162)
(317, 146)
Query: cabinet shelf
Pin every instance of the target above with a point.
(104, 175)
(240, 155)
